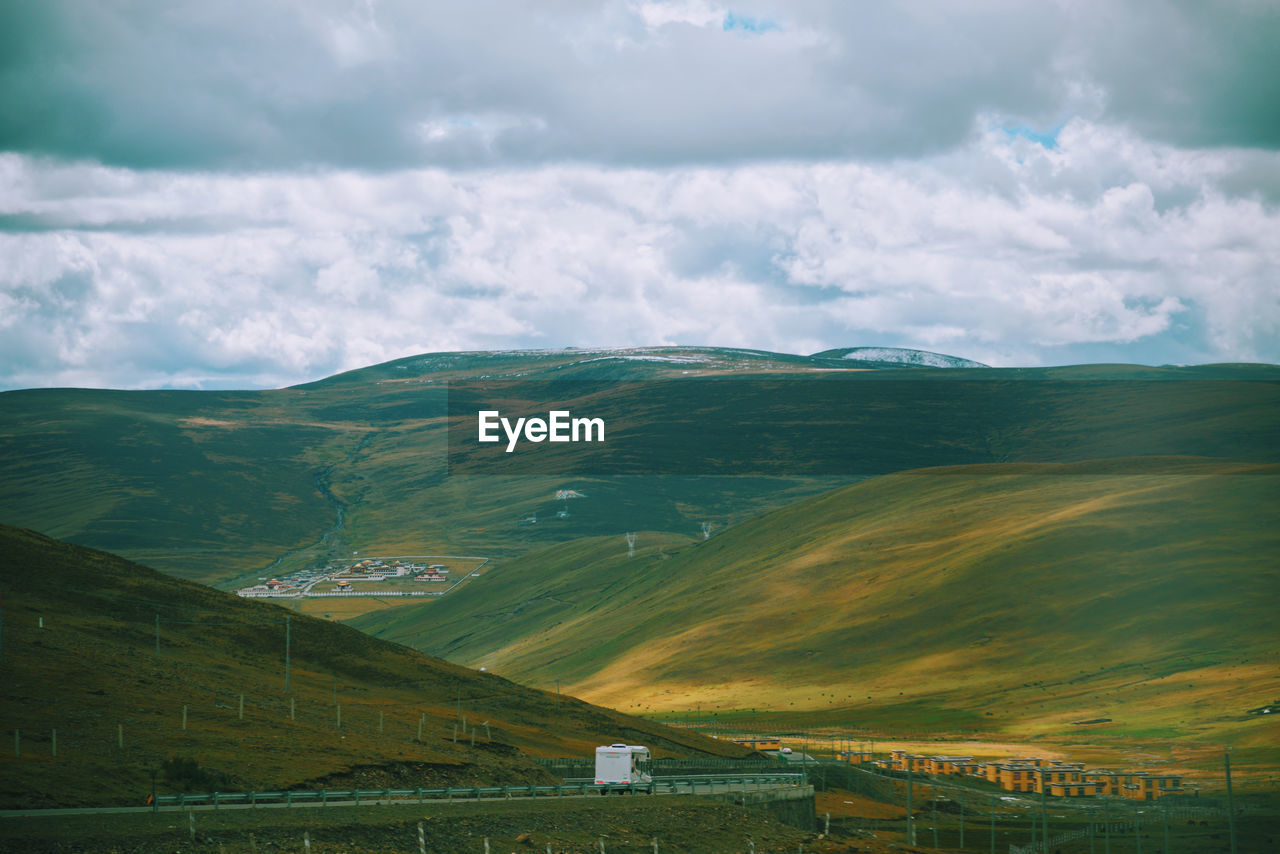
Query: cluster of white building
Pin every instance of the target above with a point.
(371, 569)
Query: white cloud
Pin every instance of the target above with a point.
(1004, 251)
(698, 13)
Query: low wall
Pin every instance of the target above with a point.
(793, 805)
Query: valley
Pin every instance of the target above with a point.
(1114, 606)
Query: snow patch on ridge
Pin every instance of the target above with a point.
(903, 356)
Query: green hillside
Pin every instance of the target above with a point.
(81, 668)
(964, 600)
(222, 487)
(226, 487)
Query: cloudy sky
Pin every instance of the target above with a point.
(252, 194)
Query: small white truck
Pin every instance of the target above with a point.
(618, 765)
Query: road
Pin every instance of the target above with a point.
(687, 786)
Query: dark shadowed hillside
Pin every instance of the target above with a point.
(92, 673)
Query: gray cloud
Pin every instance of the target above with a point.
(249, 85)
(249, 194)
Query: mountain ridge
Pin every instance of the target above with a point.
(905, 356)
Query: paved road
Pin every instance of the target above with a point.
(698, 788)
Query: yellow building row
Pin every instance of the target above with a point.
(1034, 774)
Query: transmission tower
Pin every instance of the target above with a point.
(631, 544)
(706, 530)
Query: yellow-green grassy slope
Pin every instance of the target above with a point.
(960, 602)
(93, 669)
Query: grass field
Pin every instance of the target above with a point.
(681, 824)
(345, 609)
(847, 822)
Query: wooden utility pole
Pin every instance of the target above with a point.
(287, 640)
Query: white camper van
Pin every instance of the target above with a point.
(618, 765)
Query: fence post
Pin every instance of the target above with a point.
(53, 744)
(184, 717)
(1231, 809)
(242, 707)
(911, 822)
(306, 841)
(120, 736)
(191, 821)
(935, 816)
(1044, 812)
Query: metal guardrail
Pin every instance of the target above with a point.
(732, 764)
(668, 785)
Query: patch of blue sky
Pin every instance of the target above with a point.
(755, 26)
(1047, 139)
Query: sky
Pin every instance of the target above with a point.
(257, 193)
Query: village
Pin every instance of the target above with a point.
(376, 576)
(1038, 775)
(1027, 774)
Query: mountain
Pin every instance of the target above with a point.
(1006, 600)
(104, 653)
(228, 487)
(225, 487)
(1075, 562)
(898, 356)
